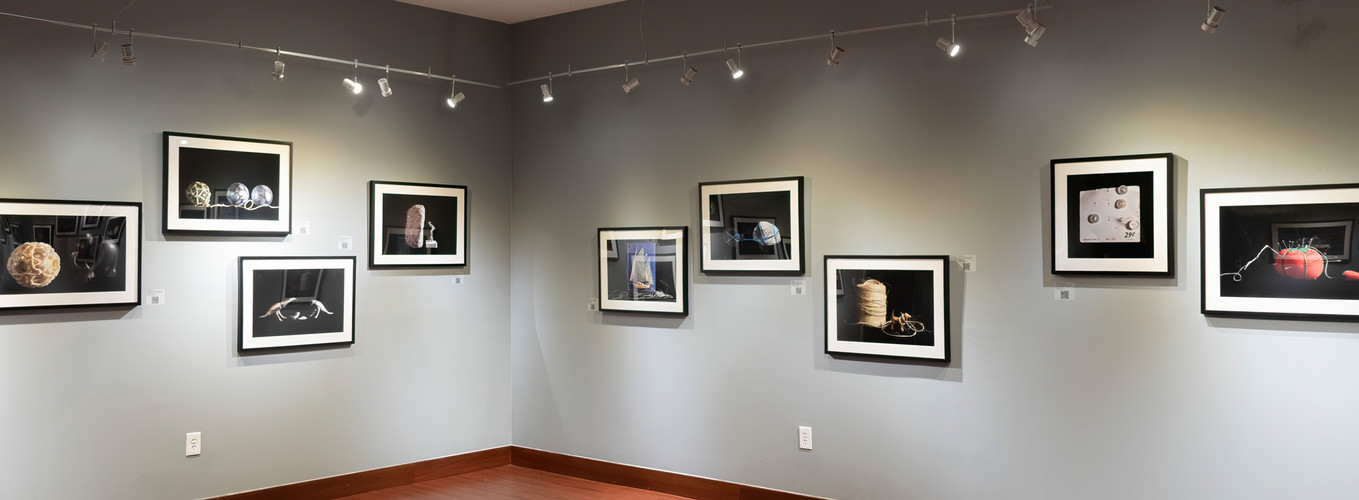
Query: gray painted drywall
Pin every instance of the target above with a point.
(95, 403)
(1125, 393)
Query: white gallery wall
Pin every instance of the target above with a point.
(94, 403)
(1126, 392)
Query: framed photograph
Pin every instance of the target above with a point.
(51, 261)
(651, 274)
(1280, 252)
(1113, 215)
(416, 225)
(227, 186)
(296, 301)
(893, 306)
(752, 226)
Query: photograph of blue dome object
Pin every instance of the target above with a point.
(227, 185)
(752, 226)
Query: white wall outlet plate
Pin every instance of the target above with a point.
(968, 263)
(193, 444)
(346, 243)
(799, 287)
(592, 305)
(303, 228)
(156, 298)
(1065, 291)
(804, 438)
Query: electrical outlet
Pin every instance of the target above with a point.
(799, 287)
(804, 438)
(193, 444)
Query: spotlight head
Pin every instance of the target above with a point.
(547, 92)
(630, 85)
(128, 58)
(353, 85)
(1031, 27)
(278, 70)
(735, 68)
(688, 78)
(949, 47)
(454, 99)
(835, 57)
(384, 87)
(1214, 18)
(100, 51)
(1032, 38)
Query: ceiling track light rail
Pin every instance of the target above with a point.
(278, 53)
(823, 36)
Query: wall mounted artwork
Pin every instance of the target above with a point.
(70, 253)
(413, 225)
(295, 301)
(227, 186)
(752, 226)
(893, 306)
(644, 269)
(1113, 215)
(1281, 252)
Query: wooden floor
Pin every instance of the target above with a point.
(512, 483)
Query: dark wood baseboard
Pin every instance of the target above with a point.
(647, 479)
(566, 465)
(376, 479)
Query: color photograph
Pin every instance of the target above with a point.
(58, 253)
(648, 273)
(752, 226)
(227, 185)
(1112, 215)
(416, 225)
(296, 301)
(893, 306)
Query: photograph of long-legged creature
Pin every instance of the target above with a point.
(289, 302)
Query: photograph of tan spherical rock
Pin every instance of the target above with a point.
(34, 265)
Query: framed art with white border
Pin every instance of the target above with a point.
(1113, 215)
(892, 306)
(70, 253)
(416, 225)
(752, 226)
(1280, 252)
(295, 301)
(648, 272)
(226, 186)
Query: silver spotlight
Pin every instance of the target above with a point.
(834, 59)
(1214, 18)
(128, 58)
(734, 65)
(688, 78)
(630, 85)
(547, 92)
(353, 85)
(1029, 19)
(454, 97)
(950, 45)
(384, 87)
(279, 66)
(101, 48)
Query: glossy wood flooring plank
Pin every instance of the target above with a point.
(512, 482)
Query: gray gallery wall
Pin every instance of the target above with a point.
(1127, 392)
(95, 403)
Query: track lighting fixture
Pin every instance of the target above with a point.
(547, 89)
(950, 45)
(734, 65)
(454, 97)
(128, 58)
(1029, 19)
(629, 84)
(385, 86)
(688, 78)
(279, 66)
(836, 52)
(353, 84)
(1215, 14)
(101, 48)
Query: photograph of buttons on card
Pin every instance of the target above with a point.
(1113, 215)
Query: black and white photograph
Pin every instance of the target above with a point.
(1281, 252)
(644, 270)
(892, 306)
(296, 301)
(752, 226)
(416, 225)
(52, 259)
(227, 185)
(1113, 215)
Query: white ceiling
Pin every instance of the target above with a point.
(509, 11)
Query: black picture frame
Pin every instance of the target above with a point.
(392, 206)
(1113, 215)
(776, 248)
(226, 186)
(653, 274)
(1247, 273)
(866, 296)
(47, 261)
(295, 301)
